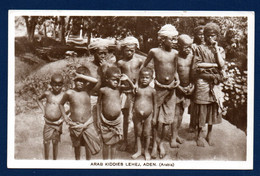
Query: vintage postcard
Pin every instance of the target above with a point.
(130, 89)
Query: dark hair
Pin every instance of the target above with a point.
(83, 70)
(111, 71)
(197, 29)
(211, 27)
(56, 77)
(146, 69)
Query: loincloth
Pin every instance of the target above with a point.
(85, 136)
(182, 98)
(111, 131)
(166, 102)
(52, 131)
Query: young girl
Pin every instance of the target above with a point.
(209, 61)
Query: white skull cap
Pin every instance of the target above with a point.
(130, 40)
(101, 43)
(167, 30)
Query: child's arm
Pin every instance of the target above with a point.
(148, 59)
(124, 77)
(62, 109)
(220, 55)
(155, 116)
(99, 109)
(40, 104)
(87, 78)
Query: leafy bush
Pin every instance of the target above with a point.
(235, 96)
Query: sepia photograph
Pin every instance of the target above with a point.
(130, 89)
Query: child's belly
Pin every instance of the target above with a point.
(111, 111)
(143, 109)
(52, 112)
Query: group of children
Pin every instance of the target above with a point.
(183, 78)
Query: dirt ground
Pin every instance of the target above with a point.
(230, 142)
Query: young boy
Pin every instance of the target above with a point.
(166, 80)
(81, 127)
(185, 88)
(52, 115)
(209, 61)
(102, 59)
(129, 65)
(144, 111)
(109, 116)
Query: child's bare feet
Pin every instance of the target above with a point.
(162, 150)
(154, 152)
(174, 144)
(180, 140)
(123, 147)
(191, 130)
(210, 142)
(201, 142)
(136, 155)
(147, 155)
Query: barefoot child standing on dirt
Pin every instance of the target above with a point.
(81, 126)
(209, 62)
(130, 65)
(166, 80)
(109, 114)
(144, 111)
(185, 88)
(52, 115)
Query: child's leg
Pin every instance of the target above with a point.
(161, 144)
(147, 128)
(146, 150)
(113, 151)
(46, 145)
(77, 152)
(105, 151)
(138, 129)
(88, 154)
(209, 135)
(174, 126)
(180, 117)
(200, 139)
(55, 148)
(125, 112)
(155, 144)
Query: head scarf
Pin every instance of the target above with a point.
(129, 41)
(167, 30)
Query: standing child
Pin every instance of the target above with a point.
(109, 116)
(144, 111)
(81, 127)
(130, 65)
(166, 80)
(185, 88)
(52, 115)
(209, 62)
(198, 40)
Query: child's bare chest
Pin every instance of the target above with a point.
(54, 99)
(80, 98)
(164, 57)
(184, 62)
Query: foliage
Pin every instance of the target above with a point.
(235, 95)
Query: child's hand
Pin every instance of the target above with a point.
(124, 77)
(79, 126)
(154, 122)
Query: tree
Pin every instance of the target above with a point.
(31, 22)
